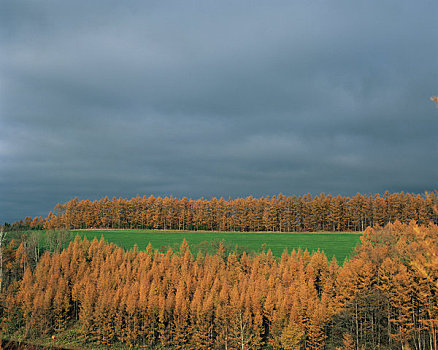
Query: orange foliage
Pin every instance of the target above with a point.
(276, 213)
(385, 296)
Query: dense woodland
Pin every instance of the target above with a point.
(385, 297)
(276, 213)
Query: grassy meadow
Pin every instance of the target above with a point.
(339, 245)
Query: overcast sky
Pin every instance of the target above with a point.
(214, 98)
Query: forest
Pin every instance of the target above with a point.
(384, 297)
(277, 213)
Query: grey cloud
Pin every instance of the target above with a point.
(214, 99)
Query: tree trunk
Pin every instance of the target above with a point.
(2, 237)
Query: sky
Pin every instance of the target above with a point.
(214, 98)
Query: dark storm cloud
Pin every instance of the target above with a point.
(214, 99)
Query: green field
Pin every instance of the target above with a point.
(333, 244)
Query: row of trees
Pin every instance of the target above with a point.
(276, 213)
(384, 297)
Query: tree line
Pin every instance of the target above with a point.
(276, 213)
(385, 297)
